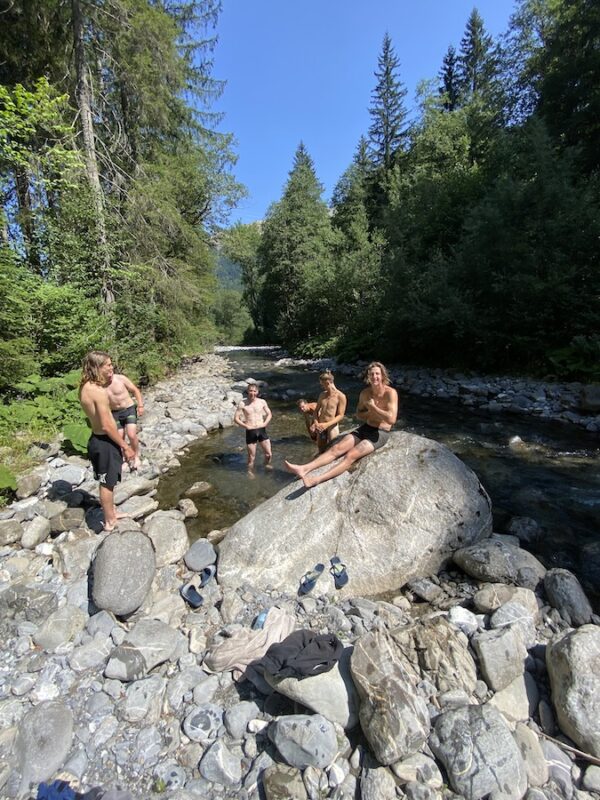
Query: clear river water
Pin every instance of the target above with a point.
(553, 477)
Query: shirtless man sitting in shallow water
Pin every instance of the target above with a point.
(254, 415)
(377, 409)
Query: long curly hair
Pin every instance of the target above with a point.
(384, 372)
(90, 367)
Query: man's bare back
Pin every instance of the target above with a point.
(95, 403)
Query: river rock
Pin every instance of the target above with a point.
(60, 627)
(281, 781)
(304, 740)
(418, 768)
(169, 537)
(198, 488)
(500, 563)
(515, 615)
(502, 655)
(131, 487)
(11, 531)
(331, 694)
(123, 571)
(28, 484)
(393, 716)
(147, 645)
(139, 506)
(408, 506)
(204, 723)
(67, 520)
(590, 398)
(533, 756)
(36, 532)
(43, 741)
(219, 765)
(70, 473)
(479, 753)
(72, 557)
(517, 701)
(493, 595)
(201, 554)
(572, 661)
(188, 508)
(143, 700)
(92, 654)
(566, 595)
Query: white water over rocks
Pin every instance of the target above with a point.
(127, 701)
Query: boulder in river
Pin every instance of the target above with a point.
(401, 513)
(123, 570)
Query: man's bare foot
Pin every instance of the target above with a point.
(269, 466)
(308, 481)
(296, 469)
(137, 463)
(108, 528)
(251, 474)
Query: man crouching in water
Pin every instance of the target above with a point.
(377, 409)
(106, 448)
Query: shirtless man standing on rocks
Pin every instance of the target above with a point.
(125, 411)
(377, 409)
(254, 415)
(106, 448)
(330, 411)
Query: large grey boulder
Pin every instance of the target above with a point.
(498, 562)
(572, 662)
(43, 741)
(60, 627)
(401, 513)
(566, 595)
(479, 753)
(123, 571)
(393, 716)
(11, 531)
(36, 532)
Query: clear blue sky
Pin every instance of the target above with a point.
(304, 71)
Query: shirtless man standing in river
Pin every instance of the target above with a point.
(254, 415)
(106, 448)
(377, 409)
(330, 411)
(125, 411)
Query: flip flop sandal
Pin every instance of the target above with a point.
(338, 570)
(206, 574)
(191, 595)
(309, 580)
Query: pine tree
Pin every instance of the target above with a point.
(477, 60)
(450, 82)
(295, 258)
(388, 131)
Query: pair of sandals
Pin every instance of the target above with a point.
(338, 569)
(189, 591)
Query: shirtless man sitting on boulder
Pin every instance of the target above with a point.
(377, 409)
(254, 415)
(106, 448)
(126, 412)
(330, 411)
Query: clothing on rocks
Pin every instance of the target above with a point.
(302, 654)
(246, 645)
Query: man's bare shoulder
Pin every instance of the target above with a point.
(92, 390)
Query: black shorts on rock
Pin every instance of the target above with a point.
(106, 458)
(255, 435)
(125, 416)
(377, 436)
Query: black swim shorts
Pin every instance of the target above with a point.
(125, 416)
(255, 435)
(377, 436)
(106, 458)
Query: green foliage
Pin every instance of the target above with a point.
(580, 359)
(7, 479)
(241, 245)
(232, 319)
(77, 436)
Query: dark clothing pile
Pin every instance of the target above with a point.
(302, 654)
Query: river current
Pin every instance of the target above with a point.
(552, 475)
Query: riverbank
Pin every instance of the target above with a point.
(132, 697)
(569, 403)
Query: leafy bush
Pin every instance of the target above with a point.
(7, 479)
(580, 359)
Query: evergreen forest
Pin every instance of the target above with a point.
(462, 234)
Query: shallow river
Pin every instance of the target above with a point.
(553, 477)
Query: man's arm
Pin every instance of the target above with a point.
(107, 422)
(238, 417)
(131, 387)
(362, 409)
(267, 414)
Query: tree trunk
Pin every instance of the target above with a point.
(84, 103)
(26, 220)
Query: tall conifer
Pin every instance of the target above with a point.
(388, 130)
